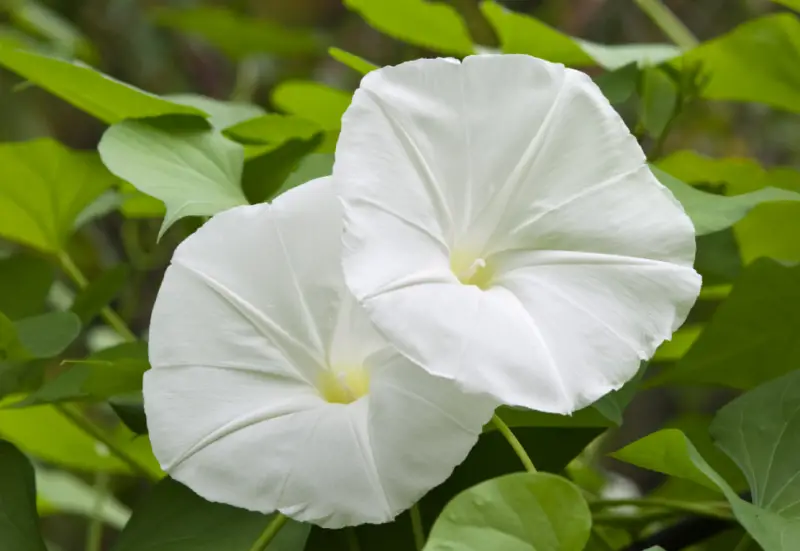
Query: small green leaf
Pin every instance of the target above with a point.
(619, 85)
(173, 518)
(89, 90)
(310, 167)
(59, 32)
(760, 431)
(432, 25)
(766, 50)
(756, 326)
(194, 172)
(19, 523)
(48, 335)
(100, 292)
(612, 405)
(24, 283)
(264, 176)
(520, 417)
(273, 129)
(239, 36)
(523, 511)
(358, 64)
(44, 187)
(613, 57)
(711, 213)
(659, 98)
(221, 114)
(59, 492)
(794, 4)
(312, 101)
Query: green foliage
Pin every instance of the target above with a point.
(524, 511)
(173, 518)
(659, 101)
(356, 63)
(237, 35)
(99, 293)
(59, 184)
(24, 282)
(794, 4)
(312, 101)
(19, 523)
(99, 95)
(273, 129)
(195, 172)
(59, 492)
(221, 114)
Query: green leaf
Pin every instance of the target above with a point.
(312, 101)
(194, 172)
(710, 212)
(130, 409)
(19, 523)
(44, 187)
(24, 283)
(89, 90)
(522, 511)
(612, 405)
(794, 4)
(48, 335)
(45, 433)
(760, 431)
(310, 167)
(659, 99)
(766, 50)
(59, 492)
(432, 25)
(59, 32)
(523, 34)
(173, 518)
(670, 452)
(221, 114)
(237, 35)
(274, 129)
(768, 230)
(100, 292)
(264, 176)
(756, 326)
(619, 85)
(358, 64)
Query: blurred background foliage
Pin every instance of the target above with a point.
(270, 53)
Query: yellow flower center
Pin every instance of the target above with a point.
(471, 269)
(344, 384)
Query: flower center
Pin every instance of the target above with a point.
(344, 384)
(471, 269)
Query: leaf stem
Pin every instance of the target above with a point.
(269, 532)
(94, 533)
(417, 527)
(669, 23)
(515, 444)
(111, 317)
(79, 420)
(352, 539)
(708, 509)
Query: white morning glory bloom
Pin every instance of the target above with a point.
(503, 230)
(269, 389)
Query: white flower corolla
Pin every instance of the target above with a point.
(503, 230)
(269, 388)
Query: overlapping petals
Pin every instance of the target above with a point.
(502, 229)
(269, 388)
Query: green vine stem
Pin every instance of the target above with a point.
(668, 23)
(515, 444)
(269, 532)
(417, 527)
(108, 314)
(94, 532)
(719, 510)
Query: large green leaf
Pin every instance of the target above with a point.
(432, 25)
(752, 336)
(59, 492)
(24, 283)
(711, 213)
(760, 431)
(312, 101)
(89, 90)
(44, 432)
(265, 176)
(670, 452)
(237, 35)
(523, 34)
(194, 172)
(48, 335)
(612, 405)
(522, 511)
(173, 518)
(221, 114)
(44, 187)
(766, 50)
(19, 523)
(273, 129)
(767, 231)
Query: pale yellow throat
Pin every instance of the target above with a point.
(343, 384)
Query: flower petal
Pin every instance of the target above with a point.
(514, 163)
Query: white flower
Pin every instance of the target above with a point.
(269, 389)
(503, 230)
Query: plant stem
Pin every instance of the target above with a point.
(269, 532)
(352, 539)
(667, 21)
(417, 527)
(94, 534)
(79, 420)
(744, 543)
(108, 314)
(515, 444)
(710, 509)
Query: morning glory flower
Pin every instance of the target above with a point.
(503, 230)
(269, 388)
